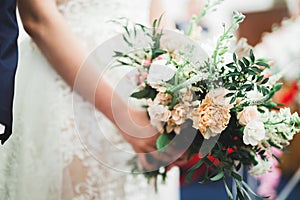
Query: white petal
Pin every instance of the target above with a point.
(160, 72)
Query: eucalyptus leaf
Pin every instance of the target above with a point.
(229, 193)
(218, 177)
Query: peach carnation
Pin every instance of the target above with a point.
(210, 118)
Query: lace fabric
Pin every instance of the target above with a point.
(45, 158)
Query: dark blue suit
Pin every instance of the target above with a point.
(8, 63)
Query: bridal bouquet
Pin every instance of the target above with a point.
(223, 97)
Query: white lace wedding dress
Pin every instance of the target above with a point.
(45, 158)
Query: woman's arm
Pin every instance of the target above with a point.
(51, 33)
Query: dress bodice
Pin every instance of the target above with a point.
(92, 19)
(47, 156)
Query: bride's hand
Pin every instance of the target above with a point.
(137, 130)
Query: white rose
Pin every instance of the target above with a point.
(254, 132)
(218, 96)
(249, 114)
(160, 71)
(262, 167)
(159, 113)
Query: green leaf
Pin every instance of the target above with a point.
(231, 65)
(251, 72)
(258, 88)
(233, 100)
(236, 176)
(256, 69)
(232, 87)
(246, 86)
(246, 61)
(262, 64)
(233, 74)
(239, 194)
(234, 57)
(242, 65)
(197, 165)
(277, 86)
(162, 142)
(239, 165)
(218, 176)
(240, 94)
(157, 52)
(229, 193)
(265, 81)
(229, 94)
(118, 54)
(189, 176)
(245, 193)
(249, 188)
(223, 51)
(259, 78)
(127, 41)
(252, 57)
(147, 92)
(140, 94)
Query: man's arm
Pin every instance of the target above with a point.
(8, 65)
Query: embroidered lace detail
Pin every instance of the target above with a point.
(46, 158)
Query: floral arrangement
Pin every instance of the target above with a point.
(226, 102)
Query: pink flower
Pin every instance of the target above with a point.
(267, 75)
(271, 62)
(147, 62)
(160, 58)
(140, 78)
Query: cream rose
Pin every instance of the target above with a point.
(249, 114)
(254, 132)
(159, 113)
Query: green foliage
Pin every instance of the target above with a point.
(146, 93)
(227, 35)
(209, 6)
(162, 142)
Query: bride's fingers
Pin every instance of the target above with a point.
(154, 160)
(148, 164)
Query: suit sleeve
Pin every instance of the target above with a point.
(8, 63)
